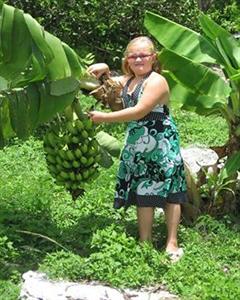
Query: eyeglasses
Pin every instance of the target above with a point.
(140, 55)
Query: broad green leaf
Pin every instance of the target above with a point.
(64, 86)
(73, 60)
(18, 111)
(2, 139)
(24, 110)
(13, 107)
(232, 165)
(33, 105)
(181, 40)
(39, 54)
(181, 97)
(235, 77)
(106, 159)
(23, 127)
(198, 78)
(51, 105)
(36, 70)
(59, 67)
(6, 32)
(7, 130)
(33, 96)
(38, 36)
(3, 84)
(20, 40)
(109, 143)
(29, 55)
(235, 100)
(227, 41)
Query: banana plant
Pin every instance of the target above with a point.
(39, 74)
(187, 58)
(41, 79)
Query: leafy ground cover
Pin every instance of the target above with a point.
(42, 229)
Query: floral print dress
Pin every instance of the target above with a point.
(151, 170)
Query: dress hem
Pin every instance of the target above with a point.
(150, 200)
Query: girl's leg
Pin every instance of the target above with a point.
(145, 216)
(173, 214)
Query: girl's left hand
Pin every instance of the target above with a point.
(97, 116)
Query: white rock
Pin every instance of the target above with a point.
(37, 286)
(199, 156)
(200, 161)
(160, 295)
(92, 292)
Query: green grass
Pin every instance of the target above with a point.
(90, 240)
(199, 130)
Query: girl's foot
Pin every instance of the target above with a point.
(175, 255)
(172, 246)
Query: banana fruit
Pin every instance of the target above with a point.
(72, 154)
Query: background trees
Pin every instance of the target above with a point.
(104, 27)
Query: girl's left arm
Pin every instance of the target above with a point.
(155, 92)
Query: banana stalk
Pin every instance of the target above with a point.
(77, 109)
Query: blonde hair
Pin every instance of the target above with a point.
(125, 65)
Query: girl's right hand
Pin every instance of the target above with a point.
(97, 70)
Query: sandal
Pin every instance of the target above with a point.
(175, 255)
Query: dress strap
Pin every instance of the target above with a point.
(125, 88)
(134, 95)
(139, 88)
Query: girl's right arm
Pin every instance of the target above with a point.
(99, 69)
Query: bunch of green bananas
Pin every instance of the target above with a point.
(73, 154)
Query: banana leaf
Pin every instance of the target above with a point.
(39, 54)
(198, 78)
(231, 166)
(36, 71)
(108, 143)
(31, 106)
(39, 75)
(182, 40)
(181, 97)
(33, 96)
(38, 37)
(19, 112)
(2, 139)
(236, 76)
(227, 42)
(74, 61)
(50, 105)
(106, 160)
(3, 84)
(5, 123)
(64, 86)
(59, 67)
(7, 27)
(17, 42)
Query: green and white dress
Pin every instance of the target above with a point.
(151, 170)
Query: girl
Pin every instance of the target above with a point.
(151, 172)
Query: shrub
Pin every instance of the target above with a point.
(226, 13)
(7, 251)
